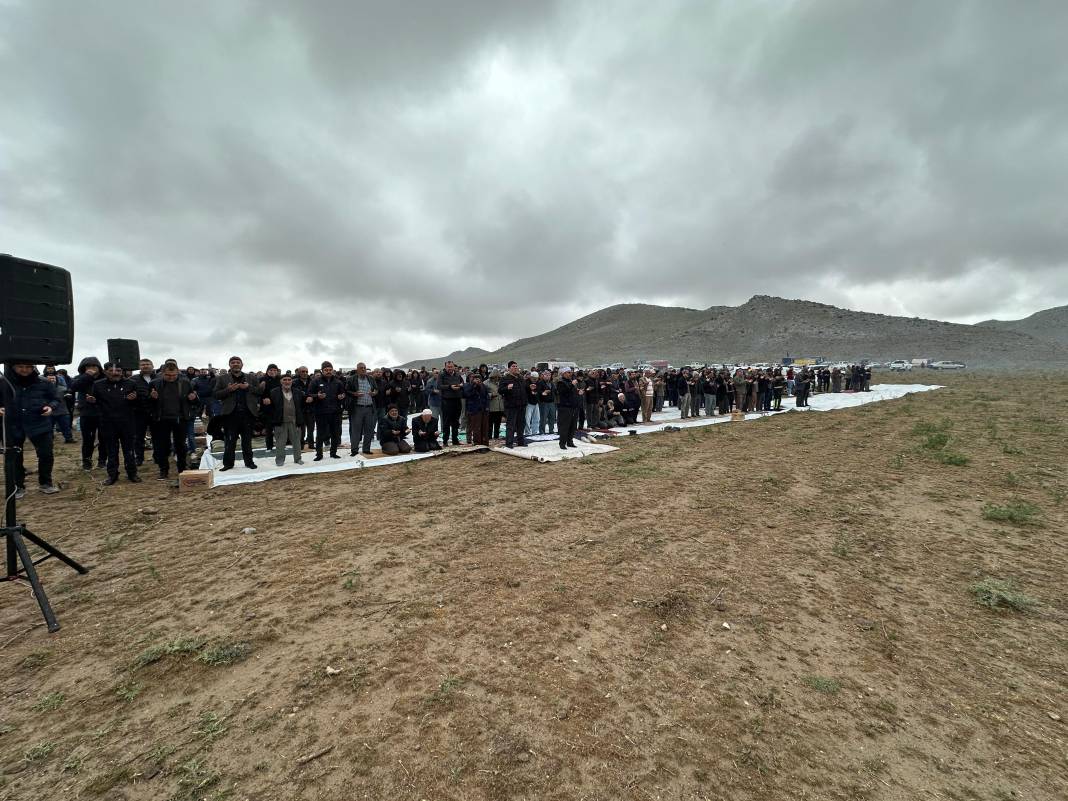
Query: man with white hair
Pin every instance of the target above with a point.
(425, 432)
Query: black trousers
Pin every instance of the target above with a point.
(42, 443)
(90, 426)
(496, 418)
(307, 429)
(168, 436)
(118, 434)
(515, 419)
(566, 424)
(327, 429)
(140, 429)
(237, 424)
(450, 420)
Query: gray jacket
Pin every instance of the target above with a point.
(229, 397)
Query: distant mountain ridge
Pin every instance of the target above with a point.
(766, 328)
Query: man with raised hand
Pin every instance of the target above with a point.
(327, 395)
(513, 390)
(451, 384)
(239, 394)
(27, 408)
(117, 398)
(173, 401)
(363, 393)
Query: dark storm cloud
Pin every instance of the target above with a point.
(388, 181)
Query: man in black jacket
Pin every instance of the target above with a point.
(26, 413)
(142, 408)
(307, 431)
(239, 393)
(116, 398)
(593, 399)
(327, 393)
(172, 401)
(89, 372)
(569, 392)
(451, 384)
(271, 381)
(286, 405)
(513, 390)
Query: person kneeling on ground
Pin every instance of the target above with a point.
(425, 432)
(392, 432)
(613, 417)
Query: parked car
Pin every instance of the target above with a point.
(947, 365)
(900, 365)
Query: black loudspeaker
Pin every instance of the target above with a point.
(124, 352)
(36, 312)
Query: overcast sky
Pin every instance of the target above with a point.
(393, 180)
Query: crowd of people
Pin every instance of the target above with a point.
(120, 410)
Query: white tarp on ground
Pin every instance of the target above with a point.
(826, 402)
(548, 450)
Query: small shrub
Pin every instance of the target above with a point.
(955, 459)
(841, 546)
(179, 646)
(998, 594)
(924, 428)
(935, 441)
(38, 752)
(225, 653)
(128, 692)
(1019, 512)
(50, 702)
(823, 684)
(210, 726)
(443, 694)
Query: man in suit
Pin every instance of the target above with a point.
(116, 397)
(286, 406)
(239, 394)
(327, 392)
(171, 404)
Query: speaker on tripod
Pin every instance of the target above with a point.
(36, 327)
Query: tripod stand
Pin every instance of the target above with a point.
(15, 535)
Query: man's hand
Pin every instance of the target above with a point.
(46, 411)
(153, 394)
(308, 399)
(131, 396)
(320, 395)
(91, 398)
(266, 401)
(191, 396)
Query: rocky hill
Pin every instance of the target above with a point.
(1051, 324)
(767, 328)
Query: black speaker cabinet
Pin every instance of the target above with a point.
(124, 352)
(36, 312)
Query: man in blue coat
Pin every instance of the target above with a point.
(28, 404)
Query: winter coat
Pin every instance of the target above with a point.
(229, 397)
(24, 401)
(276, 410)
(186, 407)
(112, 399)
(477, 398)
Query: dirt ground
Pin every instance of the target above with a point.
(777, 609)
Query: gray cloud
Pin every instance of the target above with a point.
(389, 181)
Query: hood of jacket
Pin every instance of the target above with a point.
(90, 360)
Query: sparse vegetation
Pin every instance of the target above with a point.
(210, 726)
(50, 702)
(179, 646)
(224, 653)
(1002, 594)
(841, 547)
(443, 695)
(128, 692)
(39, 751)
(1018, 512)
(822, 684)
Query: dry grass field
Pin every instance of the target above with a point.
(863, 604)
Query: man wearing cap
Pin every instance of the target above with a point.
(287, 413)
(327, 393)
(362, 391)
(425, 432)
(27, 408)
